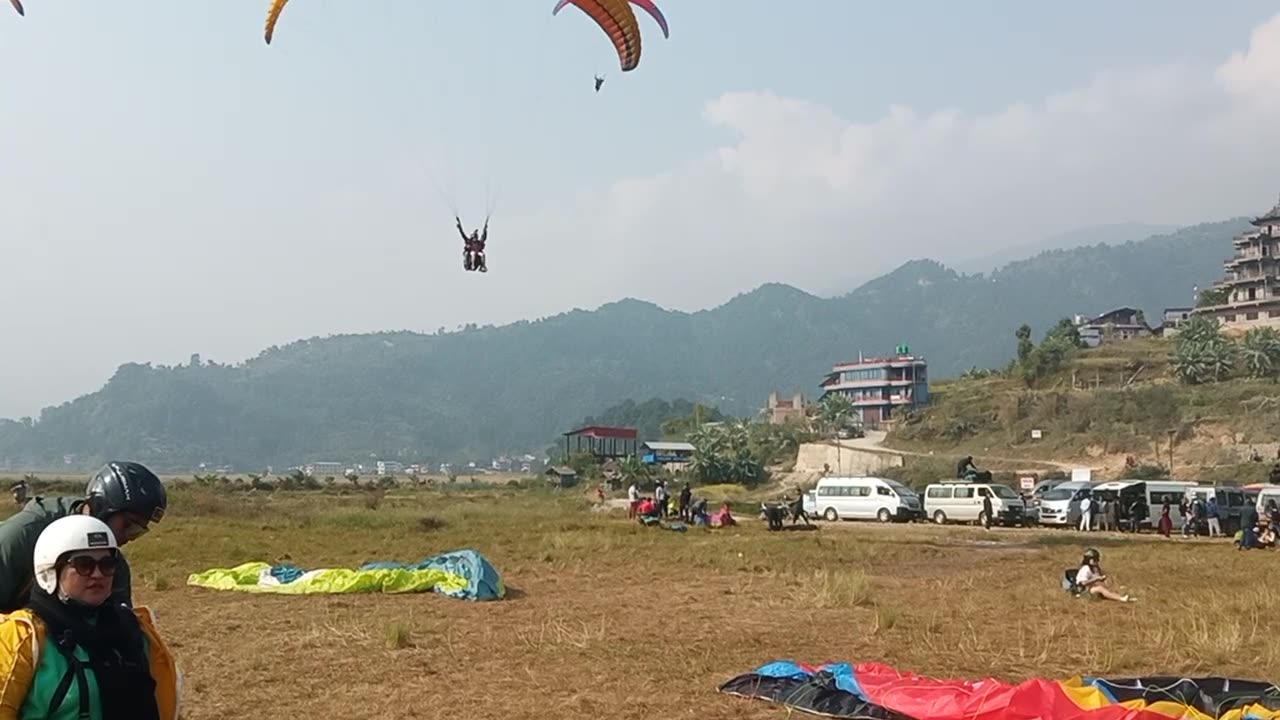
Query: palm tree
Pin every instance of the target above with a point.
(738, 434)
(632, 470)
(1199, 329)
(1191, 363)
(1222, 358)
(708, 447)
(834, 413)
(1260, 353)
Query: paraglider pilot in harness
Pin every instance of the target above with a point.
(473, 247)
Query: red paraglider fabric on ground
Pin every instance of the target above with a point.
(880, 692)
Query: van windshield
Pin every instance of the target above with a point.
(1057, 494)
(1003, 491)
(902, 490)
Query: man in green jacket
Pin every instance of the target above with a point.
(125, 495)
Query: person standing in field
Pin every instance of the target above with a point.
(20, 492)
(686, 496)
(1186, 509)
(1086, 514)
(1211, 513)
(986, 509)
(1166, 522)
(660, 498)
(633, 501)
(797, 509)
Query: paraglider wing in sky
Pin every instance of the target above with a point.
(273, 14)
(17, 5)
(618, 22)
(655, 13)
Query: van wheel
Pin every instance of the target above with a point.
(884, 516)
(982, 518)
(940, 517)
(831, 515)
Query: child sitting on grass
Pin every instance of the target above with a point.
(1090, 578)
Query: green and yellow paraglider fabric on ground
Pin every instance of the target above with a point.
(463, 574)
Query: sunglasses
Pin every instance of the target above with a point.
(135, 530)
(85, 564)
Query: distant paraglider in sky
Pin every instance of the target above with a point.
(273, 14)
(619, 22)
(17, 5)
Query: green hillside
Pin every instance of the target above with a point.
(470, 394)
(1105, 405)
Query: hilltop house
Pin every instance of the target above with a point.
(1172, 319)
(1117, 325)
(674, 456)
(881, 388)
(1252, 281)
(779, 411)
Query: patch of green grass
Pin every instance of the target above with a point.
(397, 637)
(836, 588)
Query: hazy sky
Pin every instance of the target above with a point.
(169, 184)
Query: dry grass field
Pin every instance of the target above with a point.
(608, 619)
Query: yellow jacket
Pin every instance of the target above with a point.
(22, 636)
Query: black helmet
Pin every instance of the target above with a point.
(126, 487)
(1091, 554)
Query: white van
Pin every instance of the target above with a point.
(1171, 491)
(961, 501)
(1061, 505)
(1270, 493)
(863, 498)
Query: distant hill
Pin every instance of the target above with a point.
(1115, 234)
(487, 390)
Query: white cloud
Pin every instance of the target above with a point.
(1254, 75)
(803, 195)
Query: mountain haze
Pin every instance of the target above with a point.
(469, 394)
(1115, 234)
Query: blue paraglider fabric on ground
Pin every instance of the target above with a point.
(483, 582)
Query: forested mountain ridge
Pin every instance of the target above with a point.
(480, 391)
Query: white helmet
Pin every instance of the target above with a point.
(64, 535)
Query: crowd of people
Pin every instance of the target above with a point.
(1259, 530)
(683, 506)
(1110, 513)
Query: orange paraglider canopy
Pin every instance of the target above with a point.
(618, 22)
(273, 14)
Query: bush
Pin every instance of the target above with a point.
(431, 523)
